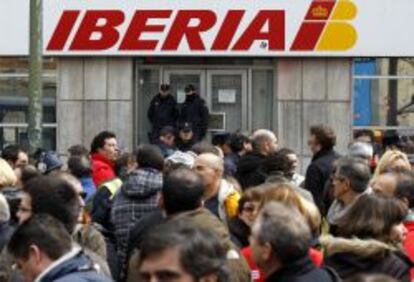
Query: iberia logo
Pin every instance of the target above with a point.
(327, 27)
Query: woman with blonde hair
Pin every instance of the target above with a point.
(8, 187)
(392, 160)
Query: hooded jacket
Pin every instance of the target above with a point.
(72, 267)
(137, 197)
(249, 170)
(351, 256)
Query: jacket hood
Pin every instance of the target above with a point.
(356, 246)
(142, 183)
(249, 162)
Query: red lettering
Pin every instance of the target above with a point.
(180, 28)
(63, 29)
(227, 30)
(139, 25)
(89, 25)
(275, 35)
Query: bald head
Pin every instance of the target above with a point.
(210, 167)
(264, 141)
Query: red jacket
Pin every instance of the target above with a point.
(409, 243)
(102, 169)
(258, 276)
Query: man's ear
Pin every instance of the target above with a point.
(35, 254)
(266, 252)
(209, 278)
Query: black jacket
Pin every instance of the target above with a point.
(303, 270)
(239, 232)
(351, 256)
(249, 170)
(318, 173)
(162, 112)
(194, 110)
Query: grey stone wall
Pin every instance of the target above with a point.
(94, 94)
(312, 91)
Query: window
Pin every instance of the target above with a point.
(383, 97)
(14, 88)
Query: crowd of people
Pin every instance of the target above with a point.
(185, 210)
(180, 209)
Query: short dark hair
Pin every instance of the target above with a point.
(78, 151)
(372, 217)
(182, 190)
(43, 231)
(99, 140)
(364, 132)
(80, 166)
(11, 153)
(325, 136)
(237, 141)
(286, 230)
(221, 139)
(56, 197)
(167, 130)
(164, 87)
(278, 164)
(356, 171)
(150, 156)
(201, 251)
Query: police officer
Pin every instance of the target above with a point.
(194, 111)
(162, 112)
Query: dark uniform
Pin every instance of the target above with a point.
(163, 111)
(194, 110)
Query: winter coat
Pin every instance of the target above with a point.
(258, 276)
(89, 188)
(351, 256)
(163, 111)
(6, 231)
(8, 273)
(249, 170)
(185, 146)
(72, 267)
(318, 173)
(102, 206)
(137, 197)
(239, 232)
(88, 236)
(194, 111)
(102, 169)
(303, 270)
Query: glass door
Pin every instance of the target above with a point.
(227, 95)
(179, 79)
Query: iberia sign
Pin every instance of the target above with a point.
(217, 27)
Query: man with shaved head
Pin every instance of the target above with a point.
(249, 169)
(220, 197)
